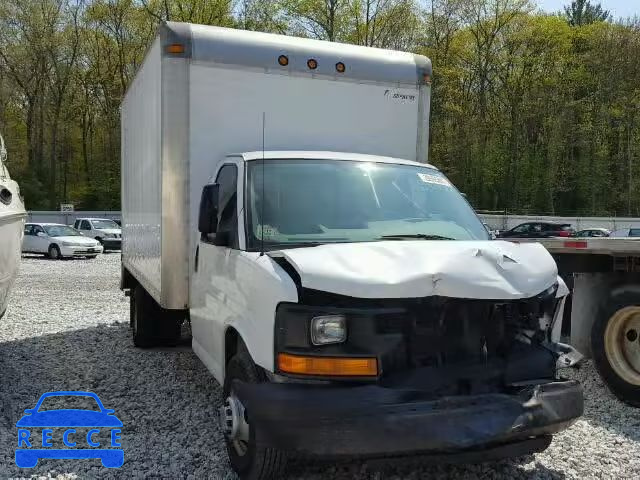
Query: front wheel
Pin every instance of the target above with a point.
(54, 252)
(615, 343)
(248, 460)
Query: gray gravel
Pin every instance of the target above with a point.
(67, 329)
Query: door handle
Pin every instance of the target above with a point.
(197, 256)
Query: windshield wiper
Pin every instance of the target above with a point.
(419, 236)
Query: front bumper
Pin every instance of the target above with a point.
(70, 251)
(115, 243)
(375, 421)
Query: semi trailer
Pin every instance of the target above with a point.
(276, 194)
(602, 318)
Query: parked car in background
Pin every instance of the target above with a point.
(58, 241)
(104, 230)
(539, 230)
(626, 232)
(593, 232)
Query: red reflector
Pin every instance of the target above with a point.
(564, 233)
(575, 244)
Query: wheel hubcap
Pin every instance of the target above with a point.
(234, 424)
(622, 345)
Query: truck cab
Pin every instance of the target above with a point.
(339, 288)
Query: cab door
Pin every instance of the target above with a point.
(216, 300)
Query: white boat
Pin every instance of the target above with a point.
(12, 216)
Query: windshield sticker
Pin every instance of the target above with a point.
(428, 178)
(268, 231)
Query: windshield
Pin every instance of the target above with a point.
(101, 224)
(309, 201)
(61, 231)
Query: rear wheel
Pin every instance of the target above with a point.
(152, 325)
(54, 252)
(248, 460)
(615, 342)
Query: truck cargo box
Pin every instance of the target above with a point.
(202, 93)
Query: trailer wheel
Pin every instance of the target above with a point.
(152, 325)
(248, 460)
(615, 342)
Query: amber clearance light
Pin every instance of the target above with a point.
(327, 366)
(175, 48)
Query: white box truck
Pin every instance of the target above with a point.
(276, 193)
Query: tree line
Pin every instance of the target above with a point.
(531, 112)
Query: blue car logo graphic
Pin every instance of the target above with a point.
(39, 432)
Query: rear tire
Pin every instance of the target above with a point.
(257, 462)
(152, 325)
(54, 252)
(610, 348)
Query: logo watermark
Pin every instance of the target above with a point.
(49, 431)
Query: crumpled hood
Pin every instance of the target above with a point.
(407, 269)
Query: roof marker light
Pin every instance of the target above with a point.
(312, 64)
(283, 60)
(340, 68)
(175, 48)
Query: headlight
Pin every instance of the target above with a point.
(327, 329)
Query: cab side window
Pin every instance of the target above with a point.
(84, 225)
(28, 229)
(227, 211)
(37, 229)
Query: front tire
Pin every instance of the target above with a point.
(248, 460)
(615, 344)
(152, 325)
(54, 252)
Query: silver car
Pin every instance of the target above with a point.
(57, 241)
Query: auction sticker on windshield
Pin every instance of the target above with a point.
(69, 425)
(435, 179)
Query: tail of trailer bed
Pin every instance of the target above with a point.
(603, 318)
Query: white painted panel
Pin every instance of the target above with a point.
(141, 173)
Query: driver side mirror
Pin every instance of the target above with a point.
(208, 216)
(40, 234)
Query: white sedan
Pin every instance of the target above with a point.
(58, 241)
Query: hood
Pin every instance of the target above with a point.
(494, 270)
(79, 239)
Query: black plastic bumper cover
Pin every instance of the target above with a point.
(375, 421)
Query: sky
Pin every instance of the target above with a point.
(618, 8)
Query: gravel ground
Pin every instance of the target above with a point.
(67, 329)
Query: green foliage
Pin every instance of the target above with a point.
(528, 112)
(583, 12)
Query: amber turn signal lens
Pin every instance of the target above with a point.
(312, 64)
(175, 48)
(283, 60)
(340, 68)
(327, 366)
